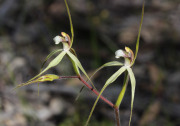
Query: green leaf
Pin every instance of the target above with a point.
(121, 95)
(139, 33)
(133, 85)
(108, 82)
(44, 78)
(70, 21)
(77, 62)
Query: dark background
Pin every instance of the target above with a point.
(27, 28)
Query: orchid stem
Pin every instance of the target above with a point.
(116, 109)
(91, 88)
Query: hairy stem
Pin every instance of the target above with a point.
(97, 93)
(90, 87)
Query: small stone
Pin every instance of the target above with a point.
(5, 57)
(18, 62)
(45, 97)
(56, 106)
(43, 113)
(174, 78)
(20, 120)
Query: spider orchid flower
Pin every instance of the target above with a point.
(65, 39)
(127, 54)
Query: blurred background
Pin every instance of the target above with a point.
(27, 28)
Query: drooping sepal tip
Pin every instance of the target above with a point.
(44, 78)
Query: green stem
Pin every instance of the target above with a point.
(70, 21)
(139, 33)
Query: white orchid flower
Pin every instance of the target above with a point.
(127, 54)
(65, 39)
